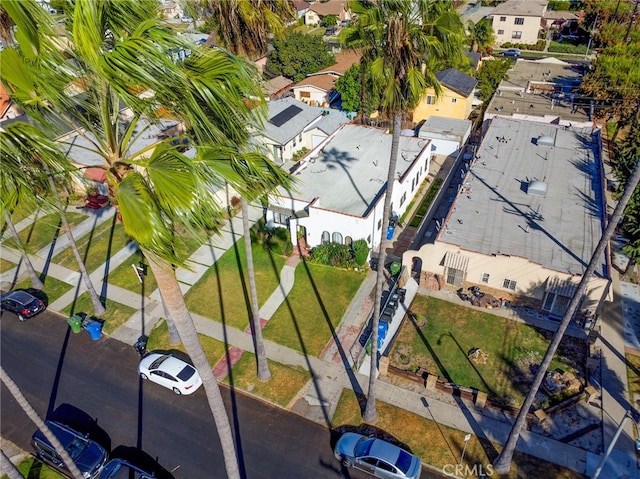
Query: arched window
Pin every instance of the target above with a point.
(348, 240)
(337, 238)
(325, 237)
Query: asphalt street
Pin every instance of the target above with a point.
(94, 387)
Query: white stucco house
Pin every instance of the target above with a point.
(518, 21)
(341, 186)
(293, 125)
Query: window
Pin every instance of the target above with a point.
(503, 19)
(453, 100)
(280, 218)
(336, 238)
(300, 137)
(348, 240)
(500, 32)
(325, 237)
(509, 284)
(516, 35)
(431, 100)
(305, 94)
(455, 276)
(403, 198)
(485, 277)
(379, 224)
(519, 21)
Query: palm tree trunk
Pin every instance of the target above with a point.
(174, 337)
(98, 307)
(7, 467)
(173, 299)
(502, 464)
(370, 414)
(23, 402)
(36, 282)
(264, 374)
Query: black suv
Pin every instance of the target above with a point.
(121, 469)
(22, 304)
(88, 455)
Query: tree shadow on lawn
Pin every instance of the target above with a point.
(355, 385)
(477, 430)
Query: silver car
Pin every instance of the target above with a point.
(377, 457)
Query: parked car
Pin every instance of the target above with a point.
(121, 469)
(511, 52)
(171, 372)
(376, 457)
(22, 304)
(330, 31)
(88, 455)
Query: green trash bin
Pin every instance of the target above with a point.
(395, 267)
(75, 323)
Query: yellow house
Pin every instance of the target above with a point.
(456, 99)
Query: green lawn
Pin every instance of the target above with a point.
(34, 469)
(222, 293)
(315, 305)
(452, 330)
(436, 444)
(117, 314)
(159, 339)
(44, 230)
(95, 247)
(284, 384)
(125, 277)
(53, 288)
(6, 265)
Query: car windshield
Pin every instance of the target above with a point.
(362, 446)
(186, 373)
(404, 461)
(76, 447)
(156, 364)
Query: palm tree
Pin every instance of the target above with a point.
(36, 282)
(119, 55)
(407, 42)
(480, 34)
(502, 464)
(244, 27)
(28, 409)
(8, 468)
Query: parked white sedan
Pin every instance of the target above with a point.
(170, 372)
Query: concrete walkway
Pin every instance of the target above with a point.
(333, 370)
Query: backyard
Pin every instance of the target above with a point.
(509, 351)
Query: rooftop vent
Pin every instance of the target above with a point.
(545, 140)
(537, 187)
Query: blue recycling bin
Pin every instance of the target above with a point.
(382, 333)
(390, 231)
(94, 328)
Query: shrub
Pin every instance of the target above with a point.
(333, 254)
(280, 242)
(361, 251)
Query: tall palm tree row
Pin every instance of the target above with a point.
(244, 27)
(405, 43)
(118, 55)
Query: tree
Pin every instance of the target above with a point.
(266, 19)
(408, 42)
(490, 75)
(28, 409)
(329, 21)
(480, 36)
(245, 26)
(119, 53)
(297, 55)
(349, 87)
(625, 159)
(502, 464)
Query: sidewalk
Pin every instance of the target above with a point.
(331, 373)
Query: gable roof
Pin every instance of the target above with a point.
(324, 82)
(344, 60)
(288, 117)
(276, 85)
(301, 5)
(457, 81)
(328, 8)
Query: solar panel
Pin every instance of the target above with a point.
(285, 115)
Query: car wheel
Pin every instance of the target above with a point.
(177, 391)
(347, 463)
(143, 376)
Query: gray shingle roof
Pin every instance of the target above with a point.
(293, 126)
(457, 81)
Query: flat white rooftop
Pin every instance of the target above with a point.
(350, 172)
(526, 199)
